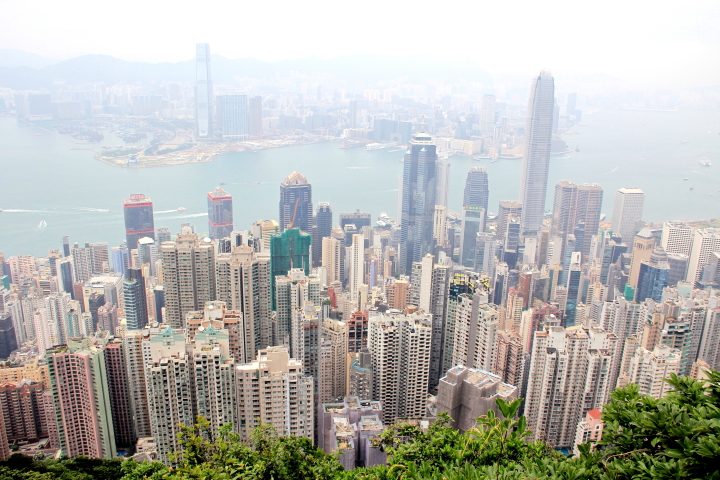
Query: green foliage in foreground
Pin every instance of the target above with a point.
(676, 437)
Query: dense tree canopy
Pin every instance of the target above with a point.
(675, 437)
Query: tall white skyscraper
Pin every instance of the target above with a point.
(356, 263)
(627, 212)
(536, 156)
(203, 91)
(676, 238)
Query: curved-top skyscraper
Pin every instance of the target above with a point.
(476, 188)
(536, 157)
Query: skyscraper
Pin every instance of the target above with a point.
(139, 220)
(574, 204)
(135, 299)
(627, 212)
(321, 229)
(536, 156)
(290, 249)
(255, 125)
(487, 115)
(473, 222)
(203, 91)
(232, 111)
(418, 200)
(476, 188)
(220, 213)
(296, 209)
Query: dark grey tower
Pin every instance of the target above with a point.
(321, 229)
(476, 188)
(418, 201)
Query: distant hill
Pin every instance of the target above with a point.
(18, 58)
(110, 70)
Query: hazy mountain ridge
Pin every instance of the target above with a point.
(361, 67)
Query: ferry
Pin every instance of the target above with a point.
(705, 161)
(181, 209)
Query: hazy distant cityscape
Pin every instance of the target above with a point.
(332, 252)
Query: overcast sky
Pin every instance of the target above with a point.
(662, 42)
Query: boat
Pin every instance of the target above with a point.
(684, 140)
(181, 209)
(42, 224)
(705, 161)
(38, 134)
(482, 157)
(373, 146)
(691, 188)
(577, 148)
(686, 178)
(494, 159)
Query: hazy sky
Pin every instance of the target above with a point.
(661, 42)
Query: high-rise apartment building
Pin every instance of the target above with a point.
(292, 291)
(418, 200)
(255, 122)
(440, 225)
(399, 346)
(568, 377)
(274, 390)
(705, 242)
(220, 213)
(476, 187)
(139, 220)
(429, 285)
(536, 155)
(232, 112)
(476, 325)
(119, 394)
(81, 398)
(203, 92)
(331, 259)
(23, 411)
(333, 357)
(8, 339)
(290, 249)
(649, 369)
(243, 283)
(296, 209)
(188, 276)
(627, 213)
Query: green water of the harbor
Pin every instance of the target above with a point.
(43, 180)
